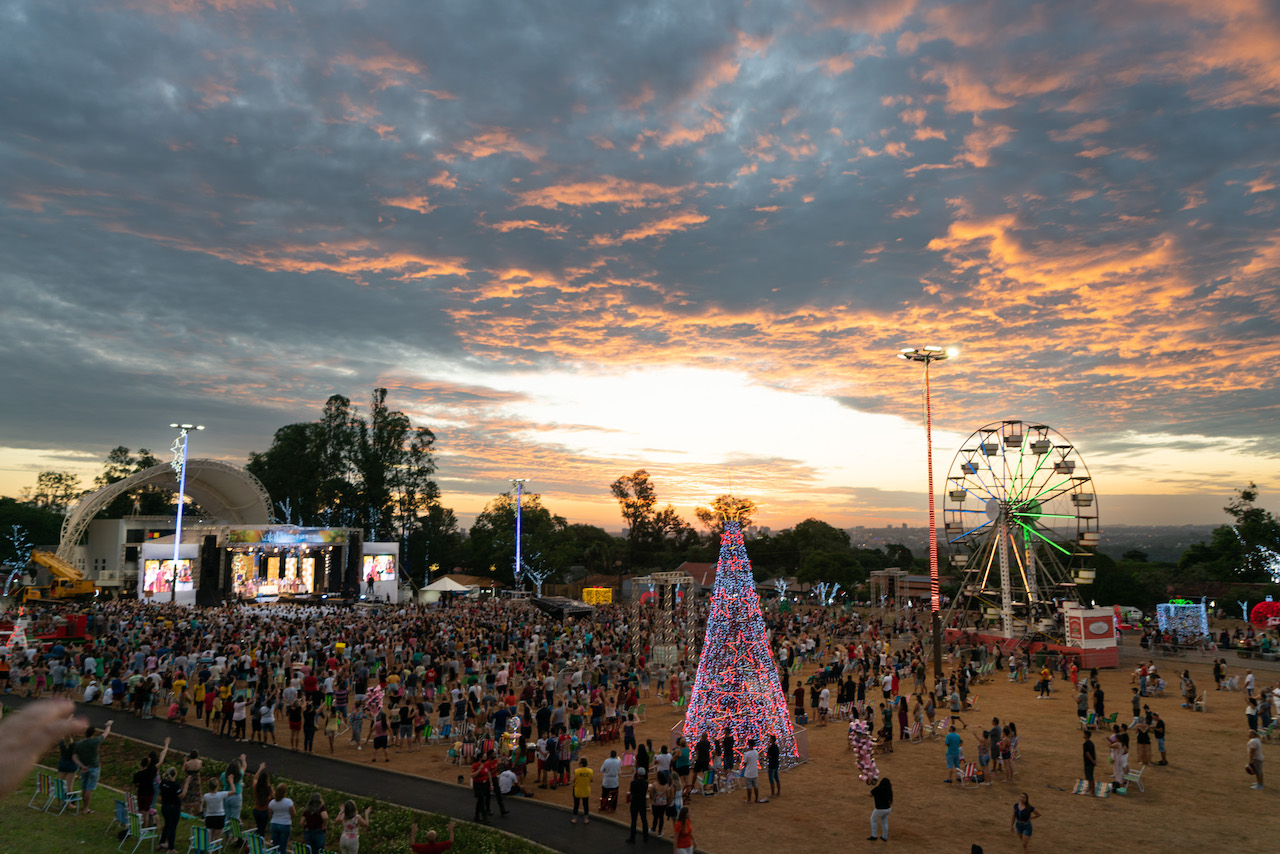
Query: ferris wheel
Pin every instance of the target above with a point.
(1021, 523)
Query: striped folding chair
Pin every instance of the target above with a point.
(65, 795)
(917, 733)
(139, 834)
(44, 788)
(255, 844)
(969, 776)
(468, 752)
(202, 842)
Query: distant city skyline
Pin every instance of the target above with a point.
(600, 237)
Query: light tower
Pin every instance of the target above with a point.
(929, 355)
(518, 483)
(179, 465)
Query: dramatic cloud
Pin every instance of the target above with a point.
(231, 209)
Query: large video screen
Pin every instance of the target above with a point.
(157, 576)
(382, 567)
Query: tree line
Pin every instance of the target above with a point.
(375, 470)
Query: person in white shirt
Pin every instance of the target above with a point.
(662, 763)
(543, 754)
(215, 812)
(609, 772)
(751, 770)
(509, 785)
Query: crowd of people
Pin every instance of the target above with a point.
(514, 694)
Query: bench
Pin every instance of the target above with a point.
(1267, 656)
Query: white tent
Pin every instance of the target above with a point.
(445, 584)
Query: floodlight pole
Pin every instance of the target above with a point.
(179, 465)
(518, 483)
(929, 355)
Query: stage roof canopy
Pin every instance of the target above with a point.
(227, 492)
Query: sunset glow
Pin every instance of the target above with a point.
(613, 237)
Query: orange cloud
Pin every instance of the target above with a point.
(499, 141)
(356, 259)
(606, 190)
(965, 92)
(530, 224)
(386, 66)
(979, 143)
(638, 100)
(682, 221)
(680, 135)
(871, 17)
(414, 203)
(801, 147)
(834, 66)
(1234, 59)
(197, 7)
(923, 133)
(1081, 129)
(443, 179)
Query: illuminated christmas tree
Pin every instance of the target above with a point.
(737, 685)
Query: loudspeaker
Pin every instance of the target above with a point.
(208, 591)
(355, 558)
(228, 576)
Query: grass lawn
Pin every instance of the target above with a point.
(27, 830)
(24, 830)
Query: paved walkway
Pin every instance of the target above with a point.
(543, 823)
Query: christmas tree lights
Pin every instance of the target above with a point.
(737, 685)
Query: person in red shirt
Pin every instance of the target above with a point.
(683, 833)
(480, 788)
(491, 766)
(431, 846)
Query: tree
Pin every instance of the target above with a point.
(291, 470)
(149, 500)
(899, 556)
(43, 527)
(54, 491)
(435, 540)
(1259, 534)
(493, 536)
(343, 469)
(636, 498)
(725, 507)
(1246, 552)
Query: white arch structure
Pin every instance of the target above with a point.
(229, 492)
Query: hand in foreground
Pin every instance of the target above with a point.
(26, 735)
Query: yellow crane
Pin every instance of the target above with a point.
(67, 582)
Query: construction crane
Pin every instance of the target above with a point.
(67, 581)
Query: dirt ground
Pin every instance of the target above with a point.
(1201, 798)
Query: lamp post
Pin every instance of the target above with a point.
(518, 483)
(929, 355)
(179, 465)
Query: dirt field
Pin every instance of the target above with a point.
(1202, 798)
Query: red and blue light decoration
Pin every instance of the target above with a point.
(737, 686)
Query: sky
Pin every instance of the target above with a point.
(578, 239)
